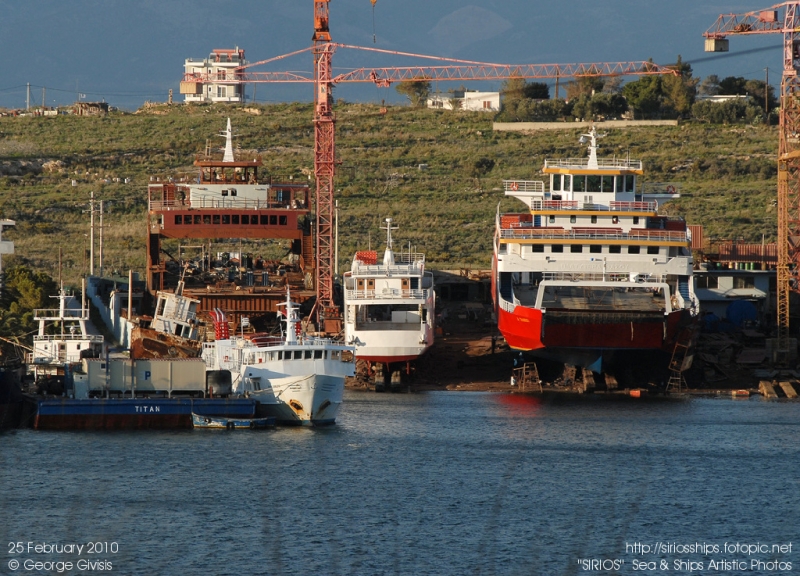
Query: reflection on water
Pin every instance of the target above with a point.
(435, 483)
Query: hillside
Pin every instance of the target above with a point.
(727, 174)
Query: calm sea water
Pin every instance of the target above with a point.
(437, 483)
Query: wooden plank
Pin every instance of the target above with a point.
(767, 389)
(788, 389)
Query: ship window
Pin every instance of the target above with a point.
(615, 249)
(579, 183)
(224, 192)
(744, 282)
(233, 191)
(272, 356)
(308, 354)
(280, 355)
(537, 248)
(226, 219)
(557, 248)
(556, 187)
(633, 249)
(653, 250)
(317, 354)
(298, 354)
(567, 182)
(572, 219)
(620, 183)
(552, 220)
(273, 220)
(235, 219)
(594, 219)
(335, 354)
(197, 219)
(629, 183)
(635, 219)
(414, 283)
(283, 220)
(608, 183)
(595, 248)
(206, 219)
(215, 218)
(576, 248)
(503, 249)
(707, 281)
(178, 219)
(593, 183)
(264, 219)
(245, 219)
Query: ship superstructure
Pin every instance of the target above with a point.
(231, 200)
(591, 266)
(389, 307)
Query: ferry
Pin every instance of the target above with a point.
(590, 266)
(389, 308)
(296, 378)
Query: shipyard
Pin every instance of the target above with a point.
(360, 287)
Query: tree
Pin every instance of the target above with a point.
(644, 95)
(709, 86)
(481, 167)
(536, 91)
(417, 91)
(584, 85)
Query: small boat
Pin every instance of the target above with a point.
(221, 423)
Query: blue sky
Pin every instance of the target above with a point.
(130, 51)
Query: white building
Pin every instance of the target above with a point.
(215, 79)
(467, 100)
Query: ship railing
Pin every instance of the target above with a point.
(600, 277)
(57, 314)
(387, 293)
(602, 163)
(618, 206)
(215, 202)
(506, 305)
(526, 231)
(416, 268)
(530, 186)
(68, 337)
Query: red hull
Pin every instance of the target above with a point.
(389, 359)
(523, 330)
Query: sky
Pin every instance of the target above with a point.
(127, 52)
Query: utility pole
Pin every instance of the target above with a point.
(766, 93)
(28, 98)
(101, 238)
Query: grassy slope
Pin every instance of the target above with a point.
(727, 174)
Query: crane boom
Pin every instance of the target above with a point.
(778, 19)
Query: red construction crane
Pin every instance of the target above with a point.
(779, 19)
(324, 117)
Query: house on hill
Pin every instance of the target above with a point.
(471, 100)
(216, 78)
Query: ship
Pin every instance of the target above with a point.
(296, 378)
(389, 309)
(173, 330)
(62, 340)
(231, 235)
(590, 268)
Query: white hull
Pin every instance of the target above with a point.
(314, 399)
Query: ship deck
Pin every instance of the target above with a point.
(594, 299)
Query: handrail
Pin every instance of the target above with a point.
(530, 233)
(603, 163)
(387, 293)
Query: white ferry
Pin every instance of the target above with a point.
(590, 266)
(297, 379)
(389, 307)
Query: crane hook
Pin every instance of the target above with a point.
(374, 39)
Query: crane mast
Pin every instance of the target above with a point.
(324, 166)
(779, 19)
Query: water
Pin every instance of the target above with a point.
(439, 483)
